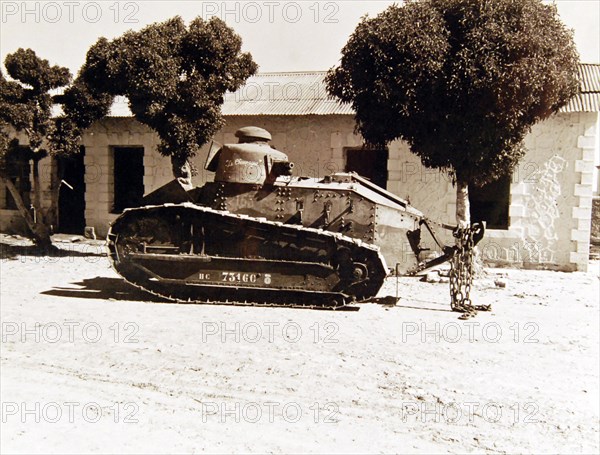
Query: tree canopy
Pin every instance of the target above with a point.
(26, 101)
(462, 81)
(174, 76)
(26, 105)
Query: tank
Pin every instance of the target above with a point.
(257, 235)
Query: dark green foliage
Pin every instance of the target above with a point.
(462, 81)
(25, 102)
(28, 68)
(174, 76)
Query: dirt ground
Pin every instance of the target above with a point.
(90, 364)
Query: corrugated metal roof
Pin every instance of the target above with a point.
(588, 99)
(297, 93)
(589, 77)
(119, 107)
(304, 93)
(584, 102)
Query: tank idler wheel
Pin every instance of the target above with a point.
(337, 302)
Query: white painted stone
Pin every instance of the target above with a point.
(583, 190)
(516, 210)
(337, 153)
(336, 140)
(578, 235)
(587, 178)
(586, 142)
(581, 259)
(582, 213)
(584, 166)
(393, 186)
(229, 138)
(105, 197)
(584, 225)
(588, 154)
(518, 188)
(585, 202)
(583, 247)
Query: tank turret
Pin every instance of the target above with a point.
(252, 160)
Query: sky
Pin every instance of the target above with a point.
(280, 35)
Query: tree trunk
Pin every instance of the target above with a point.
(43, 231)
(40, 233)
(57, 176)
(463, 214)
(182, 171)
(37, 191)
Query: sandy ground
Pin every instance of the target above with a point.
(90, 364)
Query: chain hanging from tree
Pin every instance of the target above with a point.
(461, 271)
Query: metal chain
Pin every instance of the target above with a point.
(461, 273)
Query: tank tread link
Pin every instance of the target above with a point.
(190, 253)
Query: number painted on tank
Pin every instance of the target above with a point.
(237, 277)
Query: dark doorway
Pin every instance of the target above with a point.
(18, 169)
(369, 163)
(71, 196)
(490, 203)
(129, 177)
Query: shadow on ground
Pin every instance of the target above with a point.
(13, 251)
(104, 288)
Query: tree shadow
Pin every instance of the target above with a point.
(412, 307)
(12, 251)
(427, 305)
(104, 288)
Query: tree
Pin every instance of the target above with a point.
(26, 105)
(461, 81)
(174, 77)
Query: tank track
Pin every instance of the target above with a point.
(194, 254)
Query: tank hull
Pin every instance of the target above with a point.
(343, 203)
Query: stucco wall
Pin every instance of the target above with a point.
(551, 195)
(551, 192)
(314, 143)
(99, 164)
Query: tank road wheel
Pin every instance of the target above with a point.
(360, 272)
(337, 302)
